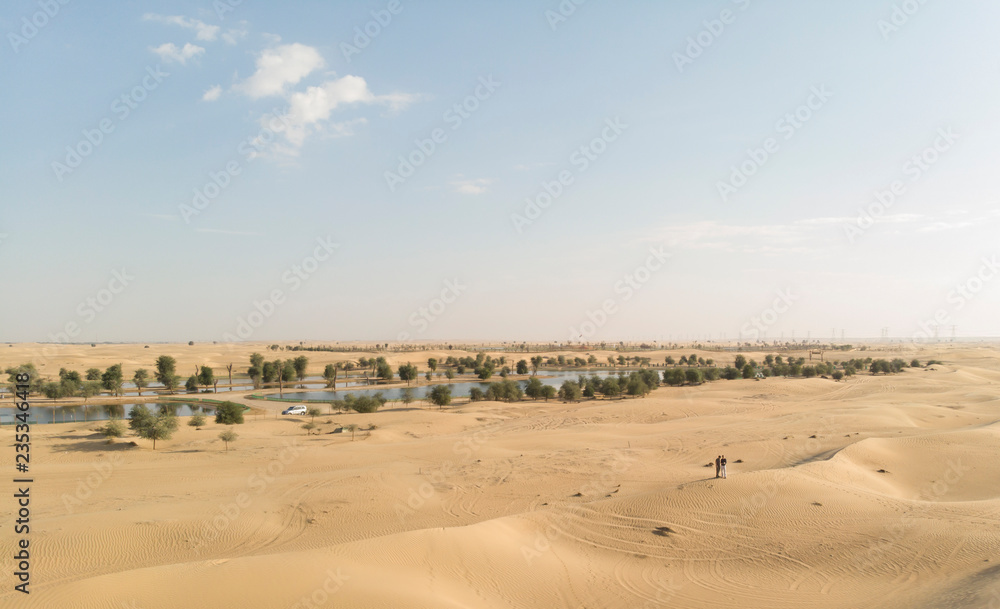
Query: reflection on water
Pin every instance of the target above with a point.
(97, 412)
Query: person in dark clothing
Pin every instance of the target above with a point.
(718, 465)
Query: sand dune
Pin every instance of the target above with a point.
(876, 492)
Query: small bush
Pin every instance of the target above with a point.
(197, 420)
(113, 429)
(229, 413)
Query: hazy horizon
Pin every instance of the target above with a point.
(615, 172)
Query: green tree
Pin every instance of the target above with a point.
(730, 373)
(636, 386)
(229, 413)
(534, 388)
(407, 372)
(407, 396)
(352, 427)
(669, 361)
(141, 379)
(299, 364)
(113, 429)
(228, 436)
(549, 392)
(93, 374)
(313, 412)
(441, 395)
(570, 391)
(384, 370)
(309, 427)
(748, 372)
(197, 420)
(693, 376)
(449, 374)
(166, 372)
(330, 374)
(206, 377)
(90, 389)
(740, 361)
(674, 377)
(158, 427)
(112, 379)
(536, 363)
(610, 387)
(191, 386)
(432, 363)
(139, 416)
(476, 395)
(522, 367)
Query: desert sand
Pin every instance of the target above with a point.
(871, 492)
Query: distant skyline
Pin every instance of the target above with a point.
(554, 171)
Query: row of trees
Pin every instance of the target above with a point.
(162, 424)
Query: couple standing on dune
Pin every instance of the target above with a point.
(720, 465)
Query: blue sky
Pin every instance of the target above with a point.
(301, 131)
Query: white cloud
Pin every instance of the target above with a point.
(202, 30)
(212, 94)
(472, 187)
(233, 36)
(309, 111)
(169, 52)
(279, 67)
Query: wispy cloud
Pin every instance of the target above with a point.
(212, 94)
(170, 53)
(471, 187)
(202, 30)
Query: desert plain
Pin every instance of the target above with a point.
(873, 491)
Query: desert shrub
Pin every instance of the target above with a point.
(229, 413)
